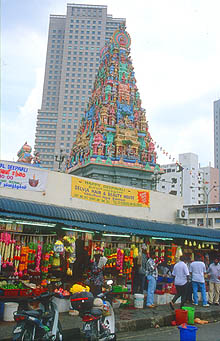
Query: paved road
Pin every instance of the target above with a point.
(210, 332)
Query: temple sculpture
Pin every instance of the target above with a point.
(25, 156)
(113, 142)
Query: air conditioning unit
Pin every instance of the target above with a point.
(182, 214)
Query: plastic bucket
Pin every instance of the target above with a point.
(191, 313)
(1, 310)
(10, 308)
(188, 333)
(63, 304)
(138, 301)
(181, 316)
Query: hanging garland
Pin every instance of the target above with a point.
(120, 260)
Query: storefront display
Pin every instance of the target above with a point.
(34, 261)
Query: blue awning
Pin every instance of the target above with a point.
(19, 209)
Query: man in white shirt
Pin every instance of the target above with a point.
(197, 270)
(214, 282)
(181, 275)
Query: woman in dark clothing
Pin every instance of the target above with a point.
(97, 278)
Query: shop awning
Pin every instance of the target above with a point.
(19, 209)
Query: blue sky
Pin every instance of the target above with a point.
(175, 50)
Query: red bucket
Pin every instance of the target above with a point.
(181, 316)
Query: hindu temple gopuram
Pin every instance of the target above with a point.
(113, 143)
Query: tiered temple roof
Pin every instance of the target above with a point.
(114, 130)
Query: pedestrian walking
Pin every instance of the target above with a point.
(140, 271)
(214, 282)
(189, 290)
(181, 277)
(152, 275)
(198, 270)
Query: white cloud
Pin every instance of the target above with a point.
(22, 128)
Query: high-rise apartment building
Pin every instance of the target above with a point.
(217, 136)
(74, 44)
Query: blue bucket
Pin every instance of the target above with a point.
(188, 333)
(1, 311)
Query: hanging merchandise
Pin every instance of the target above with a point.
(162, 253)
(148, 249)
(12, 252)
(111, 255)
(58, 250)
(135, 250)
(173, 250)
(120, 261)
(58, 247)
(23, 265)
(69, 246)
(169, 256)
(157, 254)
(47, 259)
(32, 253)
(128, 262)
(17, 259)
(179, 253)
(38, 260)
(56, 260)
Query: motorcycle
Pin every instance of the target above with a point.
(39, 323)
(97, 315)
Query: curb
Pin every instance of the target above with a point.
(161, 321)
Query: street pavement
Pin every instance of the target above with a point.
(210, 332)
(136, 324)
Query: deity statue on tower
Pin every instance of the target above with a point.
(24, 154)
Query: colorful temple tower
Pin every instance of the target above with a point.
(113, 143)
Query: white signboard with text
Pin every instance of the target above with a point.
(20, 176)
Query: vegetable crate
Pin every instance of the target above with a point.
(26, 292)
(38, 291)
(9, 292)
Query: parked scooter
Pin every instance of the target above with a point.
(97, 315)
(38, 324)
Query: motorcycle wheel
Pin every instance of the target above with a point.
(59, 336)
(27, 335)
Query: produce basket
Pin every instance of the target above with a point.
(9, 292)
(26, 292)
(38, 291)
(117, 288)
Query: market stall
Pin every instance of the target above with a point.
(62, 257)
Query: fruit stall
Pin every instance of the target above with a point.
(36, 258)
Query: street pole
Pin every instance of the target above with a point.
(207, 207)
(59, 159)
(207, 201)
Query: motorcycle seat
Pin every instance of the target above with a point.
(96, 311)
(33, 313)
